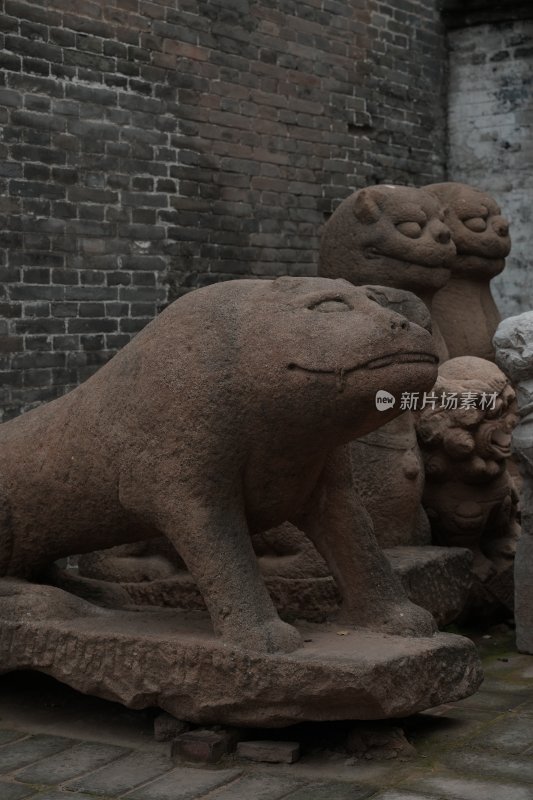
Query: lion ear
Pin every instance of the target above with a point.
(365, 208)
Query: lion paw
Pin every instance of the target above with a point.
(273, 636)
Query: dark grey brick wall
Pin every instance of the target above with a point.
(152, 147)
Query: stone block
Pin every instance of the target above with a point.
(167, 727)
(269, 751)
(200, 745)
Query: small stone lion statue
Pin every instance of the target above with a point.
(465, 431)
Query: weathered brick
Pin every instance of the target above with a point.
(276, 752)
(157, 149)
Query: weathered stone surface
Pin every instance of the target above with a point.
(514, 353)
(269, 751)
(437, 578)
(469, 495)
(171, 660)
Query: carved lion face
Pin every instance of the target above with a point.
(316, 347)
(480, 233)
(389, 235)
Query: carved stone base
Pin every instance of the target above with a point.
(171, 659)
(436, 578)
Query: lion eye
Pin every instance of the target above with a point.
(411, 229)
(331, 305)
(476, 224)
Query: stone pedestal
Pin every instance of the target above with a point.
(171, 659)
(436, 578)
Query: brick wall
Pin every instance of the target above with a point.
(152, 147)
(491, 131)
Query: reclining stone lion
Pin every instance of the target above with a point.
(227, 415)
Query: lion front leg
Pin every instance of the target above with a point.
(342, 531)
(216, 546)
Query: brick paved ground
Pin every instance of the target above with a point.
(56, 744)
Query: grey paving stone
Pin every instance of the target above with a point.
(13, 791)
(456, 788)
(447, 729)
(257, 787)
(393, 794)
(20, 753)
(81, 758)
(123, 775)
(332, 791)
(492, 765)
(512, 735)
(186, 783)
(61, 796)
(10, 736)
(494, 701)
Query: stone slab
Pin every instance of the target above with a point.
(170, 659)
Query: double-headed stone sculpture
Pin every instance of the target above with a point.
(464, 308)
(513, 343)
(393, 236)
(228, 414)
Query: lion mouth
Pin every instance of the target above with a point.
(375, 363)
(372, 252)
(400, 358)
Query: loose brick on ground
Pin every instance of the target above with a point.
(200, 745)
(271, 751)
